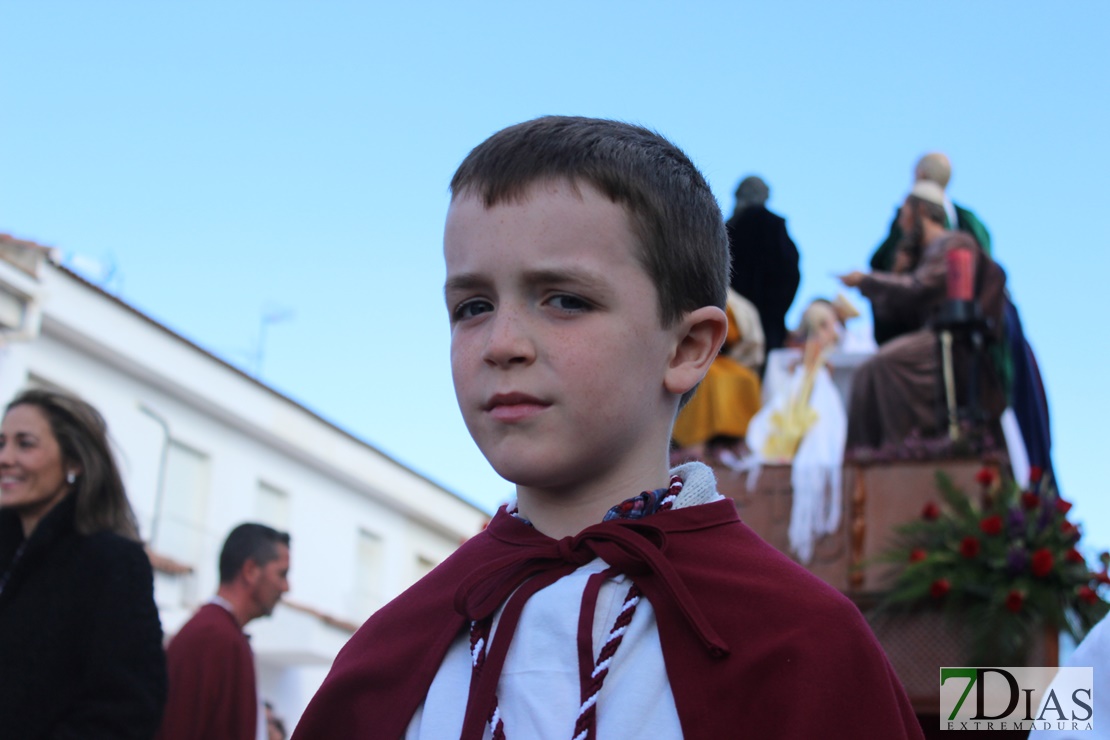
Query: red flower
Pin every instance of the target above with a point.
(1035, 473)
(1041, 562)
(931, 511)
(918, 554)
(1069, 530)
(1062, 506)
(940, 587)
(1087, 594)
(1030, 500)
(1074, 556)
(1102, 577)
(984, 477)
(1014, 601)
(991, 525)
(969, 546)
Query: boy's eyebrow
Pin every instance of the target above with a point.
(585, 278)
(465, 281)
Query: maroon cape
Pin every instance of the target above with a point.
(754, 645)
(211, 670)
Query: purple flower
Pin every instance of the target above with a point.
(1015, 521)
(1047, 514)
(1017, 559)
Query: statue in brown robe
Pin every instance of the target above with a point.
(899, 390)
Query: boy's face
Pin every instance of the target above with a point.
(557, 351)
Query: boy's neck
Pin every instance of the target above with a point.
(565, 512)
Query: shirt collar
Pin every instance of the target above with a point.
(639, 506)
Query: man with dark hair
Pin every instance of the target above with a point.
(764, 259)
(898, 391)
(212, 690)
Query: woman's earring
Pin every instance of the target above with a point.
(71, 477)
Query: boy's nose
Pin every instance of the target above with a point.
(508, 342)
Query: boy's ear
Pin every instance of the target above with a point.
(699, 336)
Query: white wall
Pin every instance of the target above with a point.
(134, 370)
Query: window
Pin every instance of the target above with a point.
(271, 506)
(37, 382)
(11, 310)
(424, 566)
(185, 491)
(369, 569)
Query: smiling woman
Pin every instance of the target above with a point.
(80, 639)
(31, 471)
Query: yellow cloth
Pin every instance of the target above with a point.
(745, 342)
(724, 403)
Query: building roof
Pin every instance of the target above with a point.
(25, 254)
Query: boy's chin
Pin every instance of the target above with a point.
(538, 477)
(520, 478)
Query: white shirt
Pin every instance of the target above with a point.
(539, 691)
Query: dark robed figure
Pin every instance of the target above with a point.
(764, 259)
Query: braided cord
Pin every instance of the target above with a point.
(585, 727)
(479, 638)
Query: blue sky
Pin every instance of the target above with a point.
(235, 158)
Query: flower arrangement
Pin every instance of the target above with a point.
(1006, 566)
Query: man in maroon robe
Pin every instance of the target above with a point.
(212, 691)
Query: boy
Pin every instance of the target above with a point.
(586, 272)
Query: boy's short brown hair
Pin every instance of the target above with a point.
(684, 246)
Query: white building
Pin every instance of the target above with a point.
(203, 447)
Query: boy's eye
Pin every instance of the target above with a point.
(470, 309)
(569, 303)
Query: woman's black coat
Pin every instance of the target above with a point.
(80, 640)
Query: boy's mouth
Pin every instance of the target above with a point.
(514, 406)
